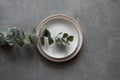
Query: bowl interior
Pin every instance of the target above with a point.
(55, 26)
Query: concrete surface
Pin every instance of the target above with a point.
(99, 58)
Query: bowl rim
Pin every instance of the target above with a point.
(79, 31)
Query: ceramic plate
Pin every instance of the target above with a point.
(65, 24)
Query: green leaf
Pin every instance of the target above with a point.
(42, 40)
(42, 30)
(32, 39)
(70, 38)
(7, 36)
(19, 41)
(15, 32)
(33, 30)
(4, 33)
(23, 35)
(47, 33)
(50, 40)
(59, 33)
(32, 36)
(65, 35)
(11, 44)
(2, 40)
(26, 39)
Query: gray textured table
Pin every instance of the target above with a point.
(99, 58)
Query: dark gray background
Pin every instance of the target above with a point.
(99, 58)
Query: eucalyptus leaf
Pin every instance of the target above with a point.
(32, 36)
(50, 40)
(11, 44)
(9, 37)
(59, 33)
(26, 39)
(42, 31)
(65, 35)
(4, 33)
(42, 40)
(2, 40)
(70, 38)
(47, 33)
(32, 39)
(15, 32)
(23, 35)
(19, 41)
(33, 30)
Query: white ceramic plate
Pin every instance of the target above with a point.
(65, 24)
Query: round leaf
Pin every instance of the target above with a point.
(65, 35)
(70, 38)
(50, 40)
(2, 40)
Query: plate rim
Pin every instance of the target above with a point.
(79, 31)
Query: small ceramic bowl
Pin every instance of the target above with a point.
(55, 24)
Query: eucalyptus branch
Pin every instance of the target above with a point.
(13, 35)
